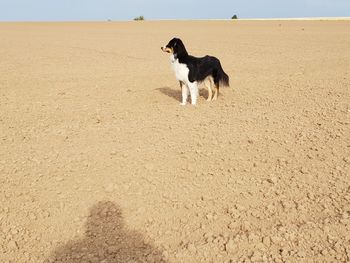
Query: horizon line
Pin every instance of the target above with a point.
(334, 18)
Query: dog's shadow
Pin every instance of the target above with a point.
(176, 93)
(172, 93)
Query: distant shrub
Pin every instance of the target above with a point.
(139, 18)
(234, 17)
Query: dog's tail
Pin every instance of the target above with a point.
(223, 78)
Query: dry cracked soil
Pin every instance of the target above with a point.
(100, 163)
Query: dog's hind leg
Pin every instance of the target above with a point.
(216, 85)
(216, 92)
(208, 82)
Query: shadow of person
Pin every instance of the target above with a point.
(176, 93)
(106, 240)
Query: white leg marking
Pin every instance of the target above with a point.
(194, 92)
(184, 90)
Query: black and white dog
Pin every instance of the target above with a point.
(190, 71)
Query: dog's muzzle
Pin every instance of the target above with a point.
(166, 49)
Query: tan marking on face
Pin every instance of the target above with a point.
(168, 50)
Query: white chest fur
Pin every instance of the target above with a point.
(181, 70)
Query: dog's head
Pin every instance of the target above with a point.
(175, 46)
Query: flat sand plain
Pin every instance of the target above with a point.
(100, 163)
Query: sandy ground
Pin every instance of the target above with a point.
(100, 163)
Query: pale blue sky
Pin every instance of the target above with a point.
(73, 10)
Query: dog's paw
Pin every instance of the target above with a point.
(183, 104)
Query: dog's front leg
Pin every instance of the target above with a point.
(184, 89)
(193, 87)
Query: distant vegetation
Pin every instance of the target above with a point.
(234, 17)
(139, 18)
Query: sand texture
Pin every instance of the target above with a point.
(99, 163)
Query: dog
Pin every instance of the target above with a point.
(191, 71)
